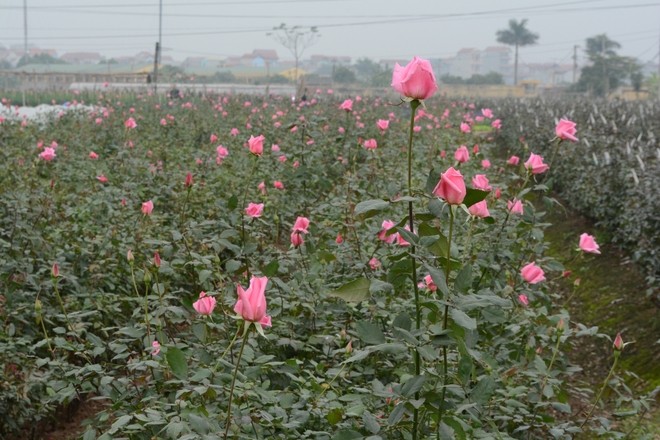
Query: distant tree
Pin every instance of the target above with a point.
(4, 65)
(171, 73)
(366, 69)
(343, 75)
(517, 35)
(452, 79)
(607, 70)
(295, 38)
(42, 58)
(491, 78)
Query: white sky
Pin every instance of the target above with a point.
(373, 28)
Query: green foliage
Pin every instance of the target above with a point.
(343, 75)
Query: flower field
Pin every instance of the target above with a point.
(250, 267)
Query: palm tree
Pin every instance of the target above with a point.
(517, 35)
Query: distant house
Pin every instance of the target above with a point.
(317, 62)
(263, 58)
(81, 57)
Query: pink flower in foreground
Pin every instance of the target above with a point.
(565, 130)
(130, 123)
(347, 105)
(462, 154)
(254, 210)
(256, 145)
(532, 273)
(479, 209)
(588, 244)
(535, 164)
(147, 207)
(301, 225)
(514, 206)
(48, 154)
(251, 304)
(383, 124)
(451, 187)
(370, 144)
(205, 304)
(513, 160)
(415, 80)
(480, 181)
(155, 348)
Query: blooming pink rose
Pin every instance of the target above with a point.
(256, 145)
(222, 152)
(234, 131)
(48, 154)
(416, 80)
(479, 209)
(130, 123)
(383, 124)
(147, 207)
(496, 124)
(532, 273)
(370, 144)
(374, 263)
(301, 225)
(205, 304)
(251, 304)
(451, 187)
(485, 164)
(254, 210)
(535, 164)
(275, 148)
(386, 226)
(487, 113)
(347, 105)
(462, 154)
(213, 138)
(588, 244)
(278, 185)
(296, 239)
(565, 130)
(523, 299)
(515, 206)
(513, 160)
(465, 127)
(93, 155)
(480, 181)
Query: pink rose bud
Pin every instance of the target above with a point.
(93, 155)
(383, 124)
(565, 130)
(514, 206)
(55, 270)
(451, 187)
(254, 210)
(513, 160)
(296, 239)
(370, 144)
(374, 263)
(278, 185)
(498, 193)
(415, 80)
(475, 149)
(561, 325)
(485, 164)
(205, 304)
(479, 209)
(301, 225)
(213, 138)
(251, 304)
(129, 256)
(347, 105)
(155, 348)
(588, 244)
(480, 181)
(189, 180)
(382, 235)
(428, 281)
(535, 164)
(339, 239)
(532, 273)
(443, 154)
(157, 259)
(523, 299)
(256, 145)
(462, 154)
(147, 207)
(618, 342)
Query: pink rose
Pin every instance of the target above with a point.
(278, 185)
(370, 144)
(462, 154)
(532, 273)
(374, 263)
(347, 105)
(565, 130)
(234, 131)
(618, 342)
(523, 299)
(479, 209)
(496, 124)
(465, 127)
(155, 348)
(430, 284)
(205, 304)
(256, 145)
(588, 244)
(513, 160)
(383, 124)
(386, 226)
(451, 187)
(339, 239)
(515, 206)
(301, 225)
(147, 207)
(416, 80)
(48, 154)
(213, 138)
(535, 164)
(188, 182)
(102, 178)
(485, 164)
(93, 155)
(296, 239)
(480, 181)
(254, 210)
(251, 304)
(487, 113)
(130, 123)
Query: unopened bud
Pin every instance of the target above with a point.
(561, 325)
(129, 256)
(189, 180)
(156, 259)
(55, 271)
(566, 273)
(618, 342)
(349, 347)
(146, 277)
(577, 281)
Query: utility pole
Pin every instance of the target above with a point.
(575, 63)
(159, 45)
(25, 43)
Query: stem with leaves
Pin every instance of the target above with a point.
(233, 380)
(617, 353)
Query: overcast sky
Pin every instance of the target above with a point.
(373, 28)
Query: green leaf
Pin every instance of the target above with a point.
(412, 385)
(334, 416)
(408, 236)
(271, 268)
(459, 432)
(370, 332)
(120, 422)
(462, 319)
(369, 208)
(483, 390)
(204, 275)
(397, 414)
(370, 422)
(353, 291)
(400, 272)
(199, 330)
(403, 321)
(473, 196)
(347, 434)
(463, 281)
(438, 277)
(380, 286)
(436, 207)
(432, 180)
(177, 362)
(232, 203)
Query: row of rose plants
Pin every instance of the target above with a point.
(252, 267)
(611, 176)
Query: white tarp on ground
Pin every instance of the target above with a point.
(40, 112)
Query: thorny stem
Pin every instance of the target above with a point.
(600, 393)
